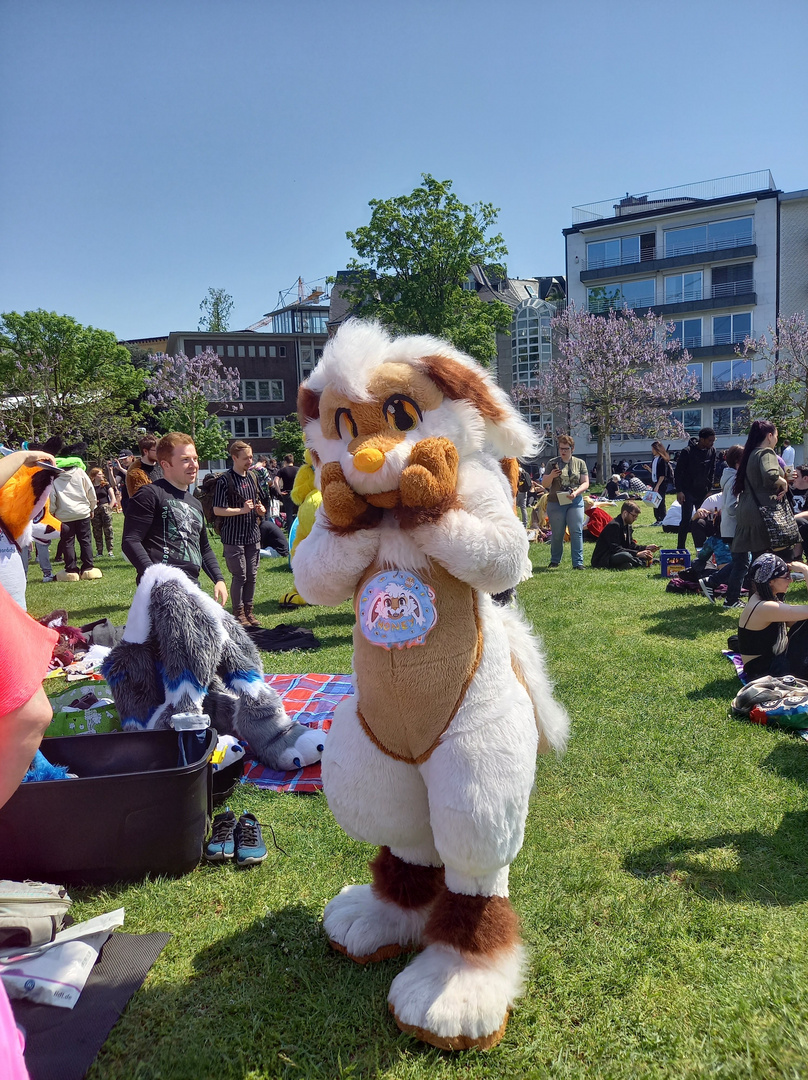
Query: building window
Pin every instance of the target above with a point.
(220, 350)
(731, 420)
(732, 329)
(262, 350)
(682, 287)
(687, 332)
(262, 390)
(231, 350)
(268, 426)
(698, 371)
(690, 419)
(712, 236)
(272, 350)
(732, 280)
(241, 350)
(728, 373)
(250, 350)
(249, 427)
(531, 342)
(198, 350)
(281, 350)
(631, 294)
(620, 251)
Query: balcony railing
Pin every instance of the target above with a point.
(701, 247)
(598, 305)
(733, 288)
(629, 259)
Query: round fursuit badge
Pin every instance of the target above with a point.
(396, 610)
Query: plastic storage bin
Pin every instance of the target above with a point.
(133, 811)
(672, 560)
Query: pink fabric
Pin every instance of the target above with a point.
(12, 1066)
(26, 648)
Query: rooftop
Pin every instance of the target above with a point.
(673, 197)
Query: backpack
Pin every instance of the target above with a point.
(207, 492)
(524, 483)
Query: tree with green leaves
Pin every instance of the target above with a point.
(216, 309)
(780, 393)
(61, 378)
(414, 259)
(184, 387)
(288, 436)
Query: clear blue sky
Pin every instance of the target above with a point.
(152, 148)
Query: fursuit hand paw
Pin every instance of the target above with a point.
(343, 507)
(431, 476)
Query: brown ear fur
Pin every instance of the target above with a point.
(308, 405)
(459, 383)
(510, 466)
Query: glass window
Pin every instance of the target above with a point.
(198, 350)
(685, 241)
(220, 350)
(231, 350)
(732, 233)
(732, 420)
(276, 390)
(682, 287)
(690, 419)
(638, 294)
(616, 252)
(726, 373)
(271, 350)
(281, 350)
(241, 350)
(250, 350)
(688, 332)
(239, 427)
(263, 389)
(697, 370)
(732, 329)
(250, 391)
(262, 350)
(267, 427)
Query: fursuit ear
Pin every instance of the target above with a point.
(308, 405)
(506, 432)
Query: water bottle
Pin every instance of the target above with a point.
(191, 731)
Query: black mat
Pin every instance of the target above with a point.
(62, 1044)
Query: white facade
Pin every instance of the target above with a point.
(708, 265)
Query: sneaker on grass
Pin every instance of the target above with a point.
(705, 588)
(737, 604)
(222, 843)
(250, 846)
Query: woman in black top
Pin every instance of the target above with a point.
(661, 477)
(766, 647)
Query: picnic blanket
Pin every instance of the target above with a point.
(311, 700)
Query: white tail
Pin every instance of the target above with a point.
(528, 662)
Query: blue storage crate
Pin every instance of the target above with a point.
(672, 560)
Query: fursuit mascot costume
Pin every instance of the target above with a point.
(181, 652)
(433, 757)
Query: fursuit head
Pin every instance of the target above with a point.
(433, 757)
(181, 652)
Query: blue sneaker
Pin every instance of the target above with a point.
(250, 846)
(222, 843)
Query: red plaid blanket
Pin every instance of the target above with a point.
(311, 700)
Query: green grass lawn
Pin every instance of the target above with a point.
(662, 884)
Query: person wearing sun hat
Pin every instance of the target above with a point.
(26, 648)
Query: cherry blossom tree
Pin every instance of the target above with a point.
(780, 393)
(618, 372)
(184, 388)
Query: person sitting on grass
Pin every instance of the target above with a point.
(765, 645)
(612, 486)
(596, 519)
(616, 548)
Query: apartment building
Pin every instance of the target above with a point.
(705, 256)
(272, 357)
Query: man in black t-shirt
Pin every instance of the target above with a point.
(285, 482)
(237, 501)
(164, 522)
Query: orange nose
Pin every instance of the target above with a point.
(368, 459)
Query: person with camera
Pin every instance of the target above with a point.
(237, 500)
(566, 479)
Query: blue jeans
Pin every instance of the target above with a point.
(567, 517)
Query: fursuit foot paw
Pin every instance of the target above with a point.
(303, 746)
(366, 928)
(455, 1002)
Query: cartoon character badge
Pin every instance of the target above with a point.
(396, 610)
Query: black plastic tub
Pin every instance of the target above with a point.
(133, 812)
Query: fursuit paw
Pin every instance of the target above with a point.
(455, 1001)
(304, 746)
(366, 928)
(343, 507)
(430, 479)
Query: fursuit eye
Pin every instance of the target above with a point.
(401, 413)
(346, 425)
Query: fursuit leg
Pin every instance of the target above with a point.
(259, 717)
(131, 672)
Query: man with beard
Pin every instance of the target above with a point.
(164, 522)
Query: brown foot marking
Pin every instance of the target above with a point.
(386, 952)
(454, 1042)
(405, 884)
(480, 925)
